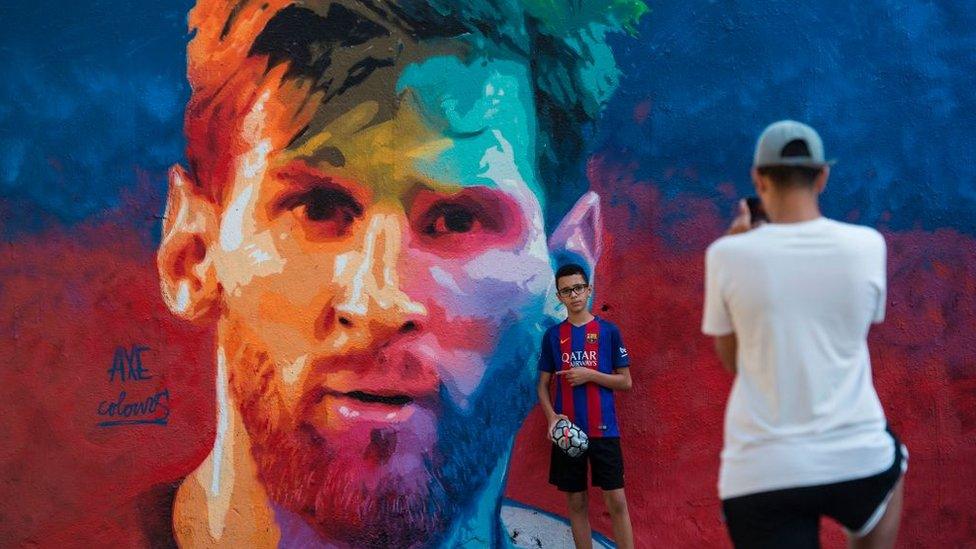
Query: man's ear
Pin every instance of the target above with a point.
(185, 262)
(578, 237)
(758, 182)
(820, 183)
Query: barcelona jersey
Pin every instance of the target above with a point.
(596, 345)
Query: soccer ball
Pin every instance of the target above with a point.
(569, 438)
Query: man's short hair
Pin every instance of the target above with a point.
(784, 176)
(571, 269)
(787, 177)
(573, 71)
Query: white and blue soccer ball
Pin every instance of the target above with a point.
(569, 438)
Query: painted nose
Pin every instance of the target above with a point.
(373, 308)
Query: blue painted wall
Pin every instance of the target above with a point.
(89, 92)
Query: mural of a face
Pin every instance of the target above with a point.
(89, 130)
(379, 307)
(381, 272)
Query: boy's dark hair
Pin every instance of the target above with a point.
(571, 269)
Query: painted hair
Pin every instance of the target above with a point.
(240, 46)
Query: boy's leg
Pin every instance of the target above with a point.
(579, 519)
(607, 461)
(569, 475)
(616, 503)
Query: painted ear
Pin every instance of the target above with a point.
(186, 272)
(577, 238)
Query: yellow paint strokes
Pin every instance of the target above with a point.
(387, 154)
(429, 150)
(342, 127)
(383, 155)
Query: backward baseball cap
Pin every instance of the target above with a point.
(777, 146)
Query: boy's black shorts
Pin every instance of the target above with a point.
(791, 517)
(603, 455)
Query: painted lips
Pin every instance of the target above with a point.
(385, 388)
(361, 406)
(395, 400)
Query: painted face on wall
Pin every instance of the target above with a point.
(381, 282)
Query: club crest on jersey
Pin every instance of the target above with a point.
(591, 338)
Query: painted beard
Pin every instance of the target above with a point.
(399, 486)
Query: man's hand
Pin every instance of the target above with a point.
(578, 376)
(743, 219)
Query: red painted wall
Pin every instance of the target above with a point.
(69, 299)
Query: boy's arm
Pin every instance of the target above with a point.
(619, 380)
(542, 388)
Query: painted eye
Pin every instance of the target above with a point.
(452, 219)
(330, 212)
(467, 222)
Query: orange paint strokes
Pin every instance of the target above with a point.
(214, 55)
(253, 104)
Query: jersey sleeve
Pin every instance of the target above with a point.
(546, 361)
(715, 317)
(621, 358)
(879, 280)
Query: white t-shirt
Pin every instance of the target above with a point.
(800, 298)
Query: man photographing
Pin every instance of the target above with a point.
(789, 303)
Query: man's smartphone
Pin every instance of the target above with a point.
(756, 211)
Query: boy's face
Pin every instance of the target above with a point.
(573, 292)
(382, 284)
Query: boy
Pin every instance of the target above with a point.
(589, 360)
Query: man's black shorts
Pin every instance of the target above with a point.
(603, 455)
(791, 517)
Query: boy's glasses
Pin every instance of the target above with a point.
(570, 291)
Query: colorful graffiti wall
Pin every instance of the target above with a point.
(276, 273)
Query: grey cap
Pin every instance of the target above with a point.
(775, 138)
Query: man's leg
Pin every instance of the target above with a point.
(579, 519)
(616, 503)
(883, 535)
(774, 520)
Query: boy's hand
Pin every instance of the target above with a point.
(577, 376)
(552, 424)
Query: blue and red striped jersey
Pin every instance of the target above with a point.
(598, 345)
